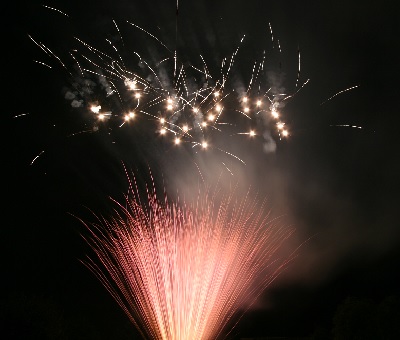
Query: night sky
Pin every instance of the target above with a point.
(338, 186)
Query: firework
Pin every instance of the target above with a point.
(185, 271)
(184, 102)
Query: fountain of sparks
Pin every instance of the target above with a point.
(189, 270)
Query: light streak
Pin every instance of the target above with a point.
(55, 9)
(348, 125)
(272, 34)
(336, 94)
(41, 152)
(298, 70)
(21, 115)
(42, 63)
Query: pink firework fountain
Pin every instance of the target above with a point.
(187, 271)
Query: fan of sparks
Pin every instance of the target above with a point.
(186, 103)
(188, 270)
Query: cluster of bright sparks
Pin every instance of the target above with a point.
(181, 131)
(186, 103)
(187, 271)
(186, 116)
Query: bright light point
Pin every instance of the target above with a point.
(252, 133)
(211, 117)
(129, 116)
(218, 107)
(169, 106)
(246, 109)
(280, 125)
(204, 145)
(258, 102)
(95, 109)
(137, 95)
(274, 114)
(195, 110)
(169, 101)
(163, 131)
(285, 133)
(245, 99)
(216, 94)
(203, 124)
(185, 128)
(101, 116)
(162, 120)
(131, 84)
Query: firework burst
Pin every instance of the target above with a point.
(186, 270)
(183, 101)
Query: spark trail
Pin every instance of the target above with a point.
(189, 270)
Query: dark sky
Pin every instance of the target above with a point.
(337, 185)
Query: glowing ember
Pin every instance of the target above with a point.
(95, 109)
(129, 116)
